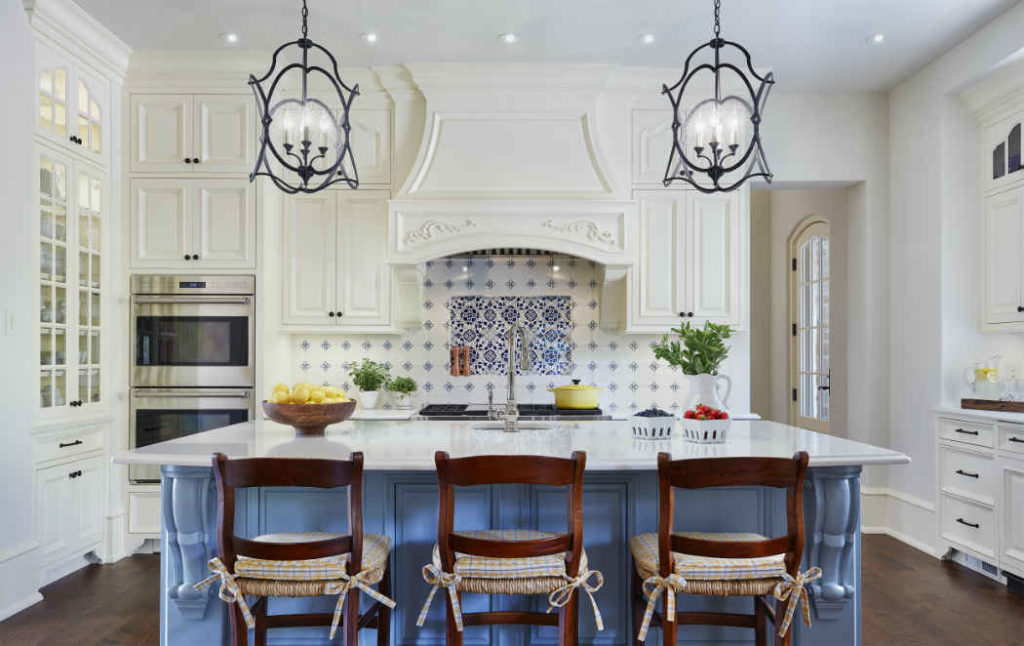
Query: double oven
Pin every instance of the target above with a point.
(192, 358)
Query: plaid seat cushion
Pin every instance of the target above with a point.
(376, 548)
(468, 566)
(692, 567)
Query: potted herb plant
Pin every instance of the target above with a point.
(403, 388)
(699, 353)
(369, 376)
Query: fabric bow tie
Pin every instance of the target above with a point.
(439, 579)
(654, 587)
(561, 596)
(793, 589)
(229, 591)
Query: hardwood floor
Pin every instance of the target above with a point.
(910, 599)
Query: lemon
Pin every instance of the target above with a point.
(281, 397)
(300, 394)
(316, 396)
(992, 376)
(280, 387)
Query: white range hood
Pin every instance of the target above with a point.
(512, 158)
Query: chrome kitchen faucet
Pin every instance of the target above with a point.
(511, 414)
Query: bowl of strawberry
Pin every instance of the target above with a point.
(705, 424)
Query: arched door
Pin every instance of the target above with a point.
(811, 325)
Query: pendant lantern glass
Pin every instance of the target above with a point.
(304, 108)
(717, 105)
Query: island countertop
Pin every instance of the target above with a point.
(410, 445)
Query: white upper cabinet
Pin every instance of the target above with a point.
(72, 104)
(1003, 270)
(193, 224)
(689, 262)
(310, 250)
(1002, 163)
(183, 133)
(336, 273)
(652, 143)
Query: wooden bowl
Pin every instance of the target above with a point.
(309, 419)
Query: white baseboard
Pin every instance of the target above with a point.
(18, 570)
(902, 516)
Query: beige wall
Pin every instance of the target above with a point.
(774, 216)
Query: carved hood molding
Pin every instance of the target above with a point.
(512, 156)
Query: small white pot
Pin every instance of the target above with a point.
(368, 398)
(706, 431)
(403, 401)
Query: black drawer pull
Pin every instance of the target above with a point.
(65, 445)
(960, 430)
(967, 473)
(1014, 438)
(964, 522)
(75, 474)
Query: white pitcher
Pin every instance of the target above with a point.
(704, 389)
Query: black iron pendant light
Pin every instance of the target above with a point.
(304, 143)
(716, 140)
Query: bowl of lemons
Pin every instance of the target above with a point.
(307, 408)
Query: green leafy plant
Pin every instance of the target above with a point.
(369, 375)
(402, 385)
(697, 350)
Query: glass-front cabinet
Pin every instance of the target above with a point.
(72, 104)
(71, 215)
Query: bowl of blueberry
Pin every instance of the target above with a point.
(653, 424)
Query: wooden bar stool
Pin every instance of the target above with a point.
(511, 561)
(742, 564)
(306, 564)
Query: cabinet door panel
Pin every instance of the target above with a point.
(226, 223)
(225, 133)
(310, 259)
(54, 509)
(652, 143)
(53, 94)
(161, 133)
(88, 499)
(1012, 506)
(714, 253)
(364, 290)
(91, 99)
(162, 230)
(370, 139)
(1003, 238)
(658, 280)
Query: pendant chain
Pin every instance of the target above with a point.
(305, 18)
(718, 24)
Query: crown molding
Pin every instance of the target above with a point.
(69, 26)
(994, 97)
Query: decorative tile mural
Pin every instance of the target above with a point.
(621, 364)
(482, 324)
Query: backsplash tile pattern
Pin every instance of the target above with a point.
(482, 323)
(621, 364)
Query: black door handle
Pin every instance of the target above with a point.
(75, 474)
(1014, 438)
(64, 445)
(967, 473)
(960, 430)
(1020, 308)
(964, 522)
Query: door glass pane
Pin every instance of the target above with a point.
(83, 268)
(814, 341)
(46, 313)
(60, 388)
(83, 308)
(45, 389)
(94, 385)
(46, 261)
(94, 348)
(45, 347)
(95, 309)
(60, 220)
(59, 347)
(60, 304)
(83, 348)
(45, 112)
(60, 88)
(94, 138)
(60, 260)
(83, 384)
(60, 119)
(191, 341)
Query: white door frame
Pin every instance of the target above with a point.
(808, 228)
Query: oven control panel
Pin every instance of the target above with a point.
(155, 285)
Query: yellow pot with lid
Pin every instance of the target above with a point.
(576, 396)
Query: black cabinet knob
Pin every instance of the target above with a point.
(689, 314)
(188, 161)
(195, 160)
(195, 256)
(340, 314)
(330, 314)
(682, 315)
(1020, 308)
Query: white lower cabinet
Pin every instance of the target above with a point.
(689, 264)
(336, 275)
(69, 508)
(981, 488)
(193, 224)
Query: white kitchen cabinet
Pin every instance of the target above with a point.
(1003, 269)
(1012, 550)
(689, 261)
(651, 145)
(184, 133)
(336, 274)
(370, 139)
(193, 224)
(70, 503)
(72, 104)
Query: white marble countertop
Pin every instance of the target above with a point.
(994, 415)
(410, 446)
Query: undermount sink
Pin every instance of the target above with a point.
(522, 426)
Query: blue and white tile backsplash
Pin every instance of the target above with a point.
(482, 323)
(578, 347)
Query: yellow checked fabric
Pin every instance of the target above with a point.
(468, 566)
(702, 568)
(376, 548)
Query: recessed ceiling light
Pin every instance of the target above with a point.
(555, 268)
(876, 39)
(370, 37)
(229, 37)
(647, 39)
(508, 38)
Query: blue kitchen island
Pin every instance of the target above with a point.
(400, 499)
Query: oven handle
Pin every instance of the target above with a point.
(194, 300)
(240, 394)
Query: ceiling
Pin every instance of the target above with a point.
(810, 44)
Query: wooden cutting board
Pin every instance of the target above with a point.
(992, 404)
